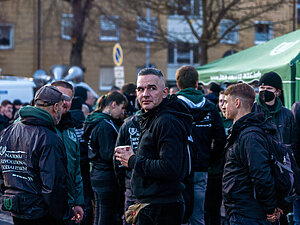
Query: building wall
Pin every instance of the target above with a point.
(22, 59)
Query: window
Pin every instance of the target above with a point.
(146, 30)
(263, 31)
(109, 28)
(6, 36)
(106, 78)
(183, 53)
(66, 26)
(232, 37)
(187, 7)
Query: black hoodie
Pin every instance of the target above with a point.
(248, 186)
(162, 159)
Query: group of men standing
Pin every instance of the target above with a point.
(179, 135)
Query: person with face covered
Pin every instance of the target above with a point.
(269, 102)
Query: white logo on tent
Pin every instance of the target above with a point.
(282, 47)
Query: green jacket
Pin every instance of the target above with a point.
(71, 143)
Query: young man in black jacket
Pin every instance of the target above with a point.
(161, 162)
(248, 186)
(33, 173)
(209, 140)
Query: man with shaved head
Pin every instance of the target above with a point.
(161, 161)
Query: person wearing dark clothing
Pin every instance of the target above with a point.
(129, 134)
(162, 160)
(101, 131)
(129, 91)
(269, 102)
(213, 91)
(248, 186)
(34, 162)
(78, 118)
(6, 115)
(68, 136)
(296, 149)
(207, 131)
(213, 195)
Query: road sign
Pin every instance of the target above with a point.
(118, 54)
(119, 76)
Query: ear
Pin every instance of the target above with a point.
(165, 92)
(113, 104)
(237, 102)
(55, 107)
(277, 92)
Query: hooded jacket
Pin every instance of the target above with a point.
(68, 135)
(101, 131)
(280, 116)
(162, 161)
(248, 186)
(207, 129)
(34, 165)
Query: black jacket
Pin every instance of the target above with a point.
(4, 122)
(208, 135)
(248, 186)
(101, 131)
(283, 119)
(34, 165)
(162, 159)
(296, 136)
(129, 134)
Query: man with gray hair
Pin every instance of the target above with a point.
(33, 170)
(161, 162)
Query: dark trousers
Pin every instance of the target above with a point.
(45, 220)
(161, 214)
(237, 219)
(213, 201)
(106, 207)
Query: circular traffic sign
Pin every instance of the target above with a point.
(118, 54)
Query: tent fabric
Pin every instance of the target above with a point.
(281, 55)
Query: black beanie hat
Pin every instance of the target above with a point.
(271, 79)
(77, 103)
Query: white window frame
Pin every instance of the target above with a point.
(191, 55)
(103, 87)
(143, 26)
(234, 33)
(64, 23)
(116, 20)
(270, 34)
(11, 36)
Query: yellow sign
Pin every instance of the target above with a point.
(118, 54)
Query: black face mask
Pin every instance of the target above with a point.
(266, 96)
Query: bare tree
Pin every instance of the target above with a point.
(203, 17)
(80, 10)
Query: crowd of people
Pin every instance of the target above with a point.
(145, 155)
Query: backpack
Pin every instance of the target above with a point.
(284, 168)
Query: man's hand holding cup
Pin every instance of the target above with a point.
(123, 153)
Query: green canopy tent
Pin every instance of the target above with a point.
(281, 55)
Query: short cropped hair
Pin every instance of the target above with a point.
(186, 77)
(4, 103)
(64, 84)
(243, 91)
(148, 71)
